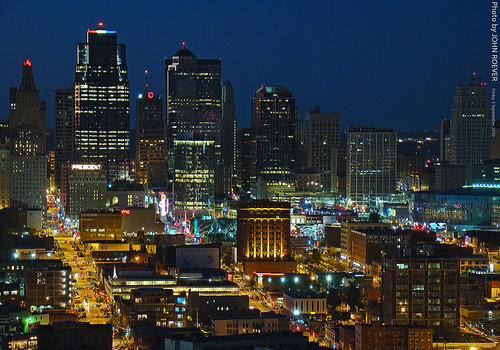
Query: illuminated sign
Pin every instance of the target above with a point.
(86, 167)
(101, 31)
(150, 95)
(125, 211)
(163, 208)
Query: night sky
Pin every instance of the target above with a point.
(384, 63)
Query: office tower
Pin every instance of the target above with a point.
(245, 160)
(102, 103)
(471, 125)
(228, 142)
(64, 116)
(300, 145)
(4, 166)
(194, 173)
(28, 142)
(322, 136)
(273, 119)
(263, 230)
(421, 290)
(444, 141)
(371, 164)
(193, 103)
(150, 141)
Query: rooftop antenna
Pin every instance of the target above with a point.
(146, 74)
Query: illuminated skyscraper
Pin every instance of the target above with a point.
(273, 119)
(471, 125)
(193, 102)
(27, 131)
(371, 164)
(102, 103)
(150, 141)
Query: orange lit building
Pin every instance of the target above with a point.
(264, 236)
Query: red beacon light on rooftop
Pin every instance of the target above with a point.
(27, 63)
(150, 95)
(100, 24)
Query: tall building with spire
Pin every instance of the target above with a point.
(228, 141)
(28, 143)
(193, 109)
(102, 103)
(273, 120)
(470, 124)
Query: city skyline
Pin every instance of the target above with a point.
(372, 64)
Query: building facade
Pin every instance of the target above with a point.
(421, 290)
(322, 136)
(228, 142)
(469, 206)
(64, 117)
(245, 160)
(263, 230)
(304, 303)
(371, 165)
(102, 103)
(101, 226)
(470, 124)
(5, 174)
(48, 286)
(193, 109)
(28, 143)
(150, 141)
(273, 119)
(87, 187)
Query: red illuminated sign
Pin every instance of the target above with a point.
(150, 95)
(125, 212)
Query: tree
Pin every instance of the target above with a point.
(333, 300)
(354, 298)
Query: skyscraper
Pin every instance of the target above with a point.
(64, 116)
(228, 141)
(371, 164)
(273, 119)
(245, 160)
(471, 125)
(150, 141)
(28, 143)
(322, 136)
(193, 103)
(102, 103)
